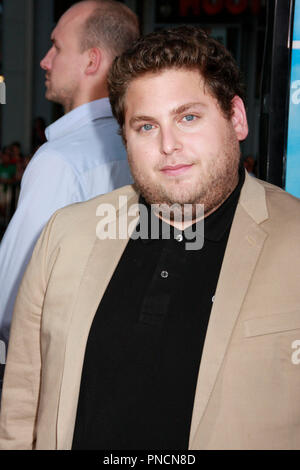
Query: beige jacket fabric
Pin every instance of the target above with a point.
(248, 391)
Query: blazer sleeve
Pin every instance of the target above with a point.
(22, 378)
(48, 184)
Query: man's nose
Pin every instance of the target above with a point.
(169, 141)
(46, 61)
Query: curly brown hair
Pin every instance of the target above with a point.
(186, 47)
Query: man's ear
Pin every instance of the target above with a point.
(94, 61)
(239, 118)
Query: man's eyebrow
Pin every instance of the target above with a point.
(187, 106)
(140, 118)
(181, 109)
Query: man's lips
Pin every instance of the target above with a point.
(175, 170)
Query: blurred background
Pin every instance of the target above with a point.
(259, 33)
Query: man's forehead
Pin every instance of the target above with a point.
(65, 28)
(173, 72)
(191, 94)
(141, 85)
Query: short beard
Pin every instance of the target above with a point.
(220, 182)
(178, 212)
(64, 97)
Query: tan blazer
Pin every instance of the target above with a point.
(248, 391)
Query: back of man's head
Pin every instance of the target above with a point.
(111, 26)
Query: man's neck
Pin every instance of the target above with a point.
(185, 222)
(92, 95)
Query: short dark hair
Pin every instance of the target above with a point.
(112, 25)
(184, 47)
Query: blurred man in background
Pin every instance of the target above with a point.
(83, 156)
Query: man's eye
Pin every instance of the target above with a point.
(189, 118)
(147, 127)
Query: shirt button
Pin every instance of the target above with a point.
(164, 274)
(179, 237)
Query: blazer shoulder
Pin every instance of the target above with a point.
(283, 221)
(81, 217)
(281, 203)
(265, 202)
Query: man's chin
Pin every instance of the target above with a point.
(169, 198)
(48, 95)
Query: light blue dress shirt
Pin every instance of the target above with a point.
(83, 157)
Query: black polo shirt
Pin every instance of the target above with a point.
(145, 344)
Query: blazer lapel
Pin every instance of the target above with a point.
(100, 267)
(243, 249)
